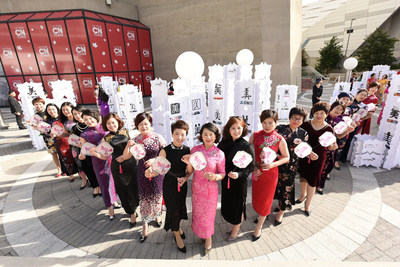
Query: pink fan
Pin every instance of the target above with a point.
(327, 139)
(57, 130)
(43, 127)
(267, 155)
(104, 149)
(74, 140)
(241, 160)
(161, 165)
(356, 117)
(198, 161)
(371, 107)
(86, 147)
(341, 127)
(138, 151)
(347, 120)
(362, 112)
(302, 150)
(36, 119)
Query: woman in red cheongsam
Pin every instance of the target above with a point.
(265, 176)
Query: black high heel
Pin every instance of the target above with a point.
(180, 249)
(298, 201)
(183, 236)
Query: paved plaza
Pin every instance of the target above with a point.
(356, 220)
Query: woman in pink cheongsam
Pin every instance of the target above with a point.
(205, 185)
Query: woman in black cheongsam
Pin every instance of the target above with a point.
(293, 135)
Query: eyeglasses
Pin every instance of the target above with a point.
(296, 119)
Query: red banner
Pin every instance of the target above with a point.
(24, 48)
(41, 44)
(79, 44)
(59, 40)
(145, 49)
(132, 48)
(8, 55)
(117, 48)
(147, 78)
(87, 83)
(99, 45)
(136, 79)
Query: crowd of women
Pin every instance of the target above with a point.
(136, 184)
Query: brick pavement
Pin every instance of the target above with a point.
(73, 224)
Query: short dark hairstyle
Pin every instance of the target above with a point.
(269, 113)
(52, 105)
(141, 117)
(38, 99)
(102, 95)
(109, 116)
(63, 118)
(211, 127)
(320, 106)
(373, 84)
(335, 104)
(232, 120)
(92, 113)
(298, 111)
(372, 75)
(11, 91)
(362, 90)
(180, 124)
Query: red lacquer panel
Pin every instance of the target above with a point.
(23, 45)
(59, 40)
(132, 48)
(86, 83)
(79, 44)
(8, 55)
(115, 38)
(42, 47)
(145, 49)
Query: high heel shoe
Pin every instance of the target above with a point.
(207, 251)
(95, 195)
(83, 187)
(111, 217)
(116, 207)
(133, 224)
(180, 249)
(256, 219)
(142, 238)
(158, 224)
(255, 238)
(307, 212)
(298, 201)
(276, 223)
(183, 236)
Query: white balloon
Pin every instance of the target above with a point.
(189, 65)
(244, 57)
(350, 63)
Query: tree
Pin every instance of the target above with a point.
(377, 50)
(330, 56)
(304, 58)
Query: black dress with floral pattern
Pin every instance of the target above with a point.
(287, 172)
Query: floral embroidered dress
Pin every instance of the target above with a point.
(287, 172)
(63, 148)
(150, 192)
(205, 192)
(101, 167)
(263, 187)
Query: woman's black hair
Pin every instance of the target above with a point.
(79, 109)
(63, 118)
(102, 95)
(52, 105)
(212, 128)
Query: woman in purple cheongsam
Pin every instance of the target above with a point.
(94, 134)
